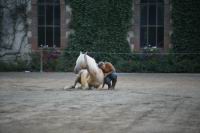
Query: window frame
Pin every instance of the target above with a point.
(46, 26)
(148, 25)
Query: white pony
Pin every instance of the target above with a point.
(89, 74)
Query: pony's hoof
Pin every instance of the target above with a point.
(73, 87)
(91, 88)
(111, 88)
(80, 88)
(68, 87)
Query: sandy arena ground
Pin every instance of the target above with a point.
(141, 103)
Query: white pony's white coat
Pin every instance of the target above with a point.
(88, 71)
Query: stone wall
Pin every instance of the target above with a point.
(18, 28)
(14, 29)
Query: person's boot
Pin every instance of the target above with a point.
(109, 85)
(108, 82)
(114, 81)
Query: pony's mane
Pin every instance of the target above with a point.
(92, 63)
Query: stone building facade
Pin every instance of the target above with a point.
(46, 22)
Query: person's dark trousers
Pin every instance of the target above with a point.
(111, 77)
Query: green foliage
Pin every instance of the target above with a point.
(186, 34)
(100, 25)
(35, 62)
(186, 28)
(131, 62)
(52, 61)
(147, 62)
(18, 65)
(1, 16)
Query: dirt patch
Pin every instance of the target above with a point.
(36, 102)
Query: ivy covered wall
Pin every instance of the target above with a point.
(186, 25)
(186, 34)
(100, 25)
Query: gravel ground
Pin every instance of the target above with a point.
(141, 103)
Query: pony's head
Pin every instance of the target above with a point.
(82, 64)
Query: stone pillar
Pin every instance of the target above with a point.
(136, 25)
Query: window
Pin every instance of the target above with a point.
(49, 23)
(152, 23)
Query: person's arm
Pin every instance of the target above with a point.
(106, 74)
